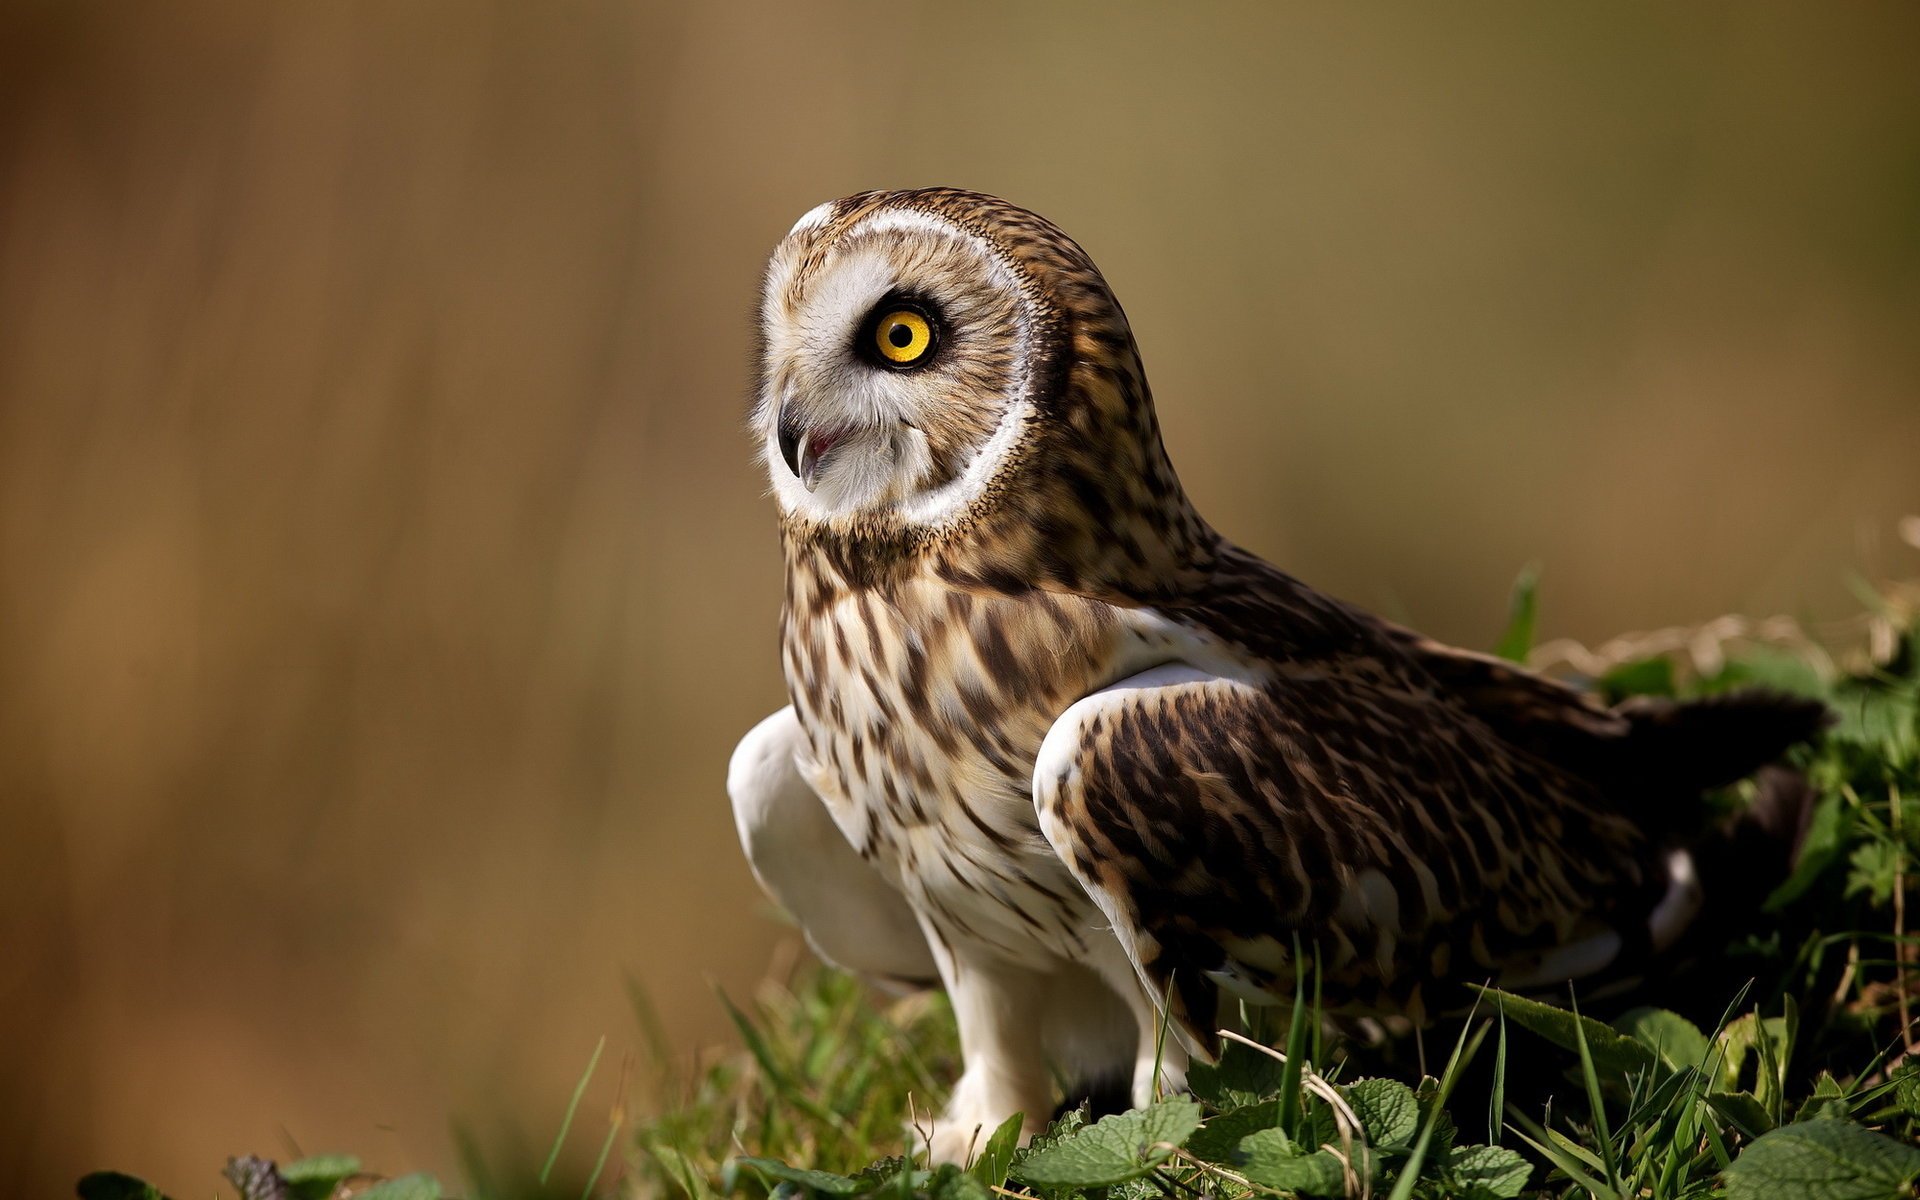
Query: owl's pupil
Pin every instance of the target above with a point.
(900, 336)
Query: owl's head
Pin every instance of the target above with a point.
(903, 346)
(936, 358)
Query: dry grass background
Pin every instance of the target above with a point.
(383, 577)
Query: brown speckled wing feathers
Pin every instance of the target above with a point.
(1392, 830)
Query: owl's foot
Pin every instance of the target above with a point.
(959, 1134)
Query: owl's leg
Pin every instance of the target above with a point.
(1091, 1038)
(1160, 1058)
(997, 1007)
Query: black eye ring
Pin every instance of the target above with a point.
(900, 334)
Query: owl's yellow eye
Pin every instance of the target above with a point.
(902, 337)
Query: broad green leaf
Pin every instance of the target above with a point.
(1113, 1150)
(879, 1171)
(824, 1182)
(315, 1177)
(1764, 1041)
(1879, 719)
(1907, 1089)
(1484, 1173)
(112, 1185)
(1823, 1160)
(1387, 1110)
(1064, 1126)
(1826, 836)
(1744, 1110)
(1523, 615)
(1674, 1040)
(403, 1187)
(1272, 1159)
(1243, 1076)
(1218, 1140)
(990, 1168)
(1641, 677)
(1875, 866)
(952, 1183)
(1759, 667)
(1445, 1132)
(1612, 1053)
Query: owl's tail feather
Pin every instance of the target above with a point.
(1685, 747)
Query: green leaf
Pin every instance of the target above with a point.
(1875, 867)
(1826, 836)
(1387, 1110)
(1823, 1160)
(1243, 1076)
(1759, 667)
(403, 1187)
(824, 1182)
(1272, 1159)
(951, 1183)
(1523, 616)
(112, 1185)
(1613, 1054)
(1743, 1110)
(1875, 718)
(997, 1155)
(1907, 1089)
(1484, 1173)
(1770, 1043)
(1641, 677)
(889, 1178)
(1064, 1126)
(1114, 1150)
(1218, 1140)
(1674, 1040)
(315, 1177)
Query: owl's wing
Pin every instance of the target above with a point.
(852, 916)
(1214, 819)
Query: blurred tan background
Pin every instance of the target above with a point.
(384, 577)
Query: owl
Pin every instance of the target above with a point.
(1058, 746)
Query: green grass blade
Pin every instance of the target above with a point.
(1160, 1034)
(573, 1106)
(1464, 1048)
(782, 1083)
(1569, 1166)
(1318, 1008)
(600, 1163)
(1523, 616)
(1598, 1103)
(1290, 1107)
(1498, 1103)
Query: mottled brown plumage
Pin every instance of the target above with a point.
(1057, 741)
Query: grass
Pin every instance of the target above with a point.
(1783, 1065)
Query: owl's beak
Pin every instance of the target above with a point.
(789, 435)
(805, 449)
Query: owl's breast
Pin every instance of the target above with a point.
(924, 709)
